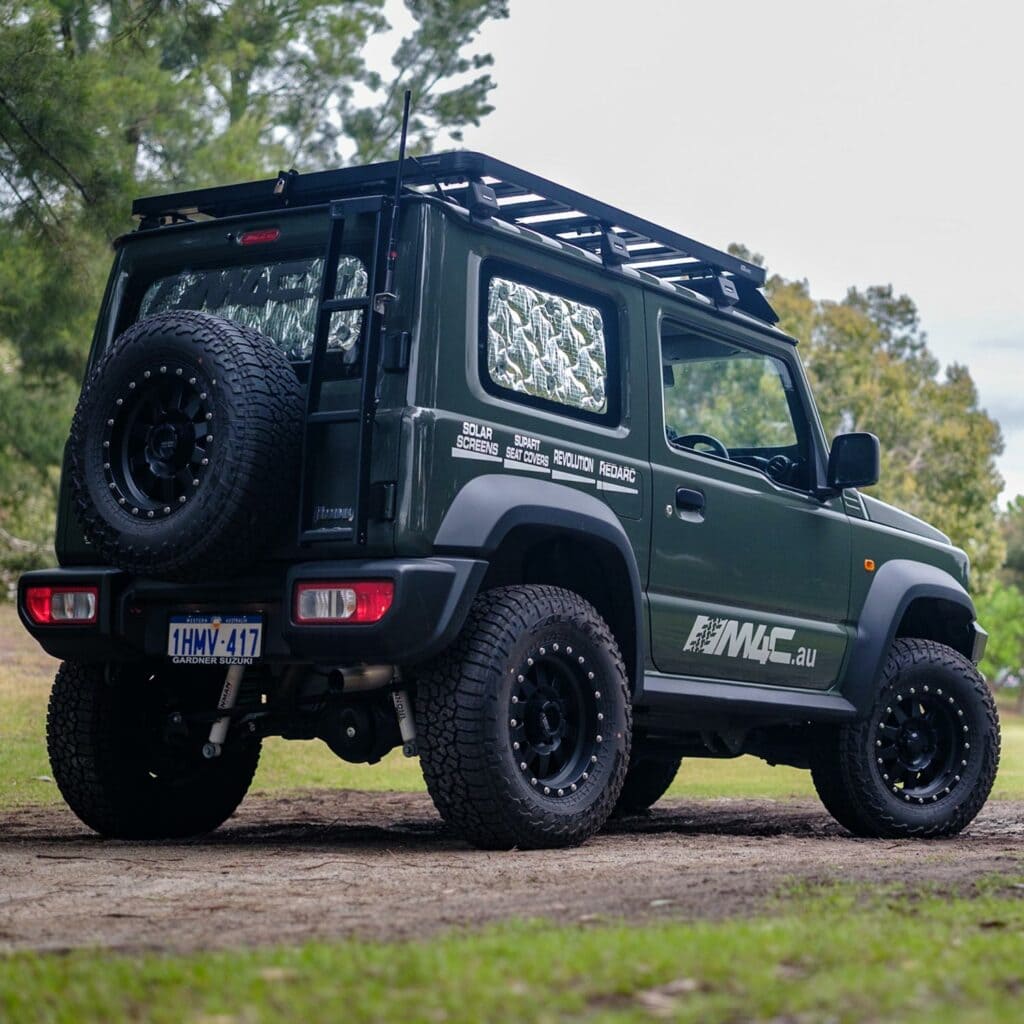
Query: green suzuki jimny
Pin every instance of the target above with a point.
(442, 455)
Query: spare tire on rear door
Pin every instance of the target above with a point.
(185, 447)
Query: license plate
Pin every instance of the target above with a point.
(214, 639)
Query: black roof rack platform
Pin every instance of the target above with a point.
(524, 199)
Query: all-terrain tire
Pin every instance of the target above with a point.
(185, 447)
(865, 772)
(530, 661)
(647, 780)
(103, 738)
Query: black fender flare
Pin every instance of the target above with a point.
(491, 506)
(896, 584)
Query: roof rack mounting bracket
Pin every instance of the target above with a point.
(723, 292)
(614, 252)
(483, 201)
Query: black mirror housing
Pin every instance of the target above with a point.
(854, 461)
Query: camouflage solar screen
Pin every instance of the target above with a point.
(546, 346)
(278, 299)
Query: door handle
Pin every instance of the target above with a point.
(688, 500)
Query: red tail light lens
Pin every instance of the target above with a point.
(62, 606)
(329, 603)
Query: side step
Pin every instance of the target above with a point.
(670, 694)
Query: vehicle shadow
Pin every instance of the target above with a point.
(332, 823)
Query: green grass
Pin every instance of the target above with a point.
(26, 674)
(844, 954)
(832, 956)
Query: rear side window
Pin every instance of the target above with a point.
(277, 298)
(547, 344)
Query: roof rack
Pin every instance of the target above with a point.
(510, 194)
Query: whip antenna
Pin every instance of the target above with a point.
(389, 275)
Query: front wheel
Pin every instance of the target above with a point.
(123, 764)
(524, 724)
(923, 761)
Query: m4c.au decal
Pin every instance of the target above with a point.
(754, 641)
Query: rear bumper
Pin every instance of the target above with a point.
(431, 602)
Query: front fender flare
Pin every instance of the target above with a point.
(895, 586)
(491, 506)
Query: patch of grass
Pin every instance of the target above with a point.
(293, 764)
(26, 674)
(25, 677)
(832, 956)
(287, 764)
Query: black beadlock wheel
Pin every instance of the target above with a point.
(160, 439)
(647, 780)
(186, 436)
(524, 724)
(122, 764)
(924, 761)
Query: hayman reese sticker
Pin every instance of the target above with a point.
(754, 641)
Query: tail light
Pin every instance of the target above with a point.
(326, 602)
(62, 606)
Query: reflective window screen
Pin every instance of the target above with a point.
(277, 299)
(547, 346)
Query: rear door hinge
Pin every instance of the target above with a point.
(382, 501)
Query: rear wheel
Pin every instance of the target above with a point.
(124, 760)
(524, 723)
(923, 762)
(647, 780)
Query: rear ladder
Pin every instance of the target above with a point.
(360, 418)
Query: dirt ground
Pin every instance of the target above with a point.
(341, 863)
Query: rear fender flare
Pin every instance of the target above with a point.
(490, 507)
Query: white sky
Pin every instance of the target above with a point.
(849, 142)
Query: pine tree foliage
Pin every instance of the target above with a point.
(103, 102)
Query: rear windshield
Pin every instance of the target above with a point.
(276, 298)
(272, 286)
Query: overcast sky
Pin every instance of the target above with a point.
(850, 143)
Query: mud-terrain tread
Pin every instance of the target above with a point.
(844, 776)
(647, 781)
(244, 498)
(86, 724)
(458, 696)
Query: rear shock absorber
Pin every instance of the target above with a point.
(406, 723)
(214, 746)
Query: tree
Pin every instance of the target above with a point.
(102, 102)
(1011, 522)
(870, 368)
(1001, 610)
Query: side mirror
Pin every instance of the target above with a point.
(853, 462)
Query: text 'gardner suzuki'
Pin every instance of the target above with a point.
(473, 464)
